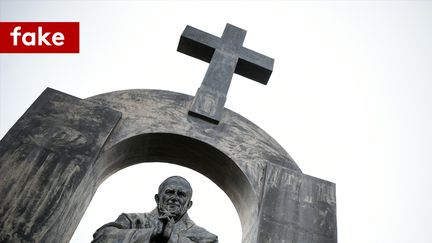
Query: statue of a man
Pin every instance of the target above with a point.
(168, 223)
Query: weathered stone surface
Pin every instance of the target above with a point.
(232, 154)
(43, 160)
(47, 195)
(297, 208)
(226, 56)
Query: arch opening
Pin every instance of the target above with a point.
(191, 153)
(131, 190)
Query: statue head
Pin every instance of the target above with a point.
(174, 197)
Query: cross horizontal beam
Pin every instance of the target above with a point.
(226, 56)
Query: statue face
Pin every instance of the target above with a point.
(174, 197)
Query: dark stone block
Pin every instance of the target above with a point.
(297, 208)
(226, 56)
(43, 159)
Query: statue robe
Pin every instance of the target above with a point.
(138, 228)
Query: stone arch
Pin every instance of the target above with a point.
(191, 153)
(57, 154)
(235, 153)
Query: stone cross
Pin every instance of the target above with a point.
(226, 56)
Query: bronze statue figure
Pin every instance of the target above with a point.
(167, 223)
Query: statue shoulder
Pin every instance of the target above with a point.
(201, 235)
(132, 216)
(132, 220)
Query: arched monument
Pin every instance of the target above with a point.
(58, 153)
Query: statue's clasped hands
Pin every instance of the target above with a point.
(163, 226)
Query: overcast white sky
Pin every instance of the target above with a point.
(349, 99)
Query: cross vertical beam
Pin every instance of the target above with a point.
(226, 56)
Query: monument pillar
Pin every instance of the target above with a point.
(45, 162)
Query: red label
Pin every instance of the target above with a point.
(39, 37)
